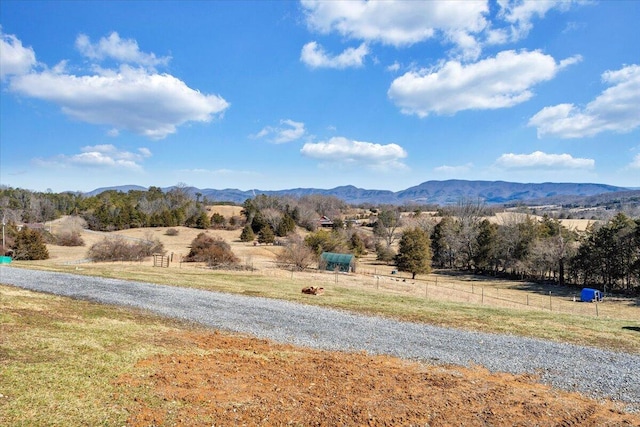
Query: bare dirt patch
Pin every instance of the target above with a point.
(231, 380)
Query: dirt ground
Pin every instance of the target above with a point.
(225, 380)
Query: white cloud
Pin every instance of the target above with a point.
(466, 25)
(397, 23)
(136, 99)
(15, 59)
(314, 56)
(122, 50)
(540, 160)
(635, 163)
(288, 131)
(132, 99)
(454, 170)
(343, 151)
(499, 82)
(616, 109)
(100, 156)
(520, 14)
(393, 68)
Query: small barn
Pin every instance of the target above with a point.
(337, 262)
(591, 295)
(325, 222)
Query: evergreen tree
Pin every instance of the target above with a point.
(414, 252)
(218, 219)
(30, 245)
(247, 234)
(287, 225)
(266, 235)
(442, 242)
(486, 255)
(357, 245)
(203, 222)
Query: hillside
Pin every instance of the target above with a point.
(430, 192)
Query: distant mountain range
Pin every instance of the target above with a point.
(430, 192)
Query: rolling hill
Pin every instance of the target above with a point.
(430, 192)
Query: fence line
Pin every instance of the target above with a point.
(438, 289)
(433, 288)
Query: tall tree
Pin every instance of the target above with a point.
(485, 258)
(414, 252)
(386, 227)
(443, 243)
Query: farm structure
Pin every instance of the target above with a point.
(337, 262)
(325, 222)
(591, 295)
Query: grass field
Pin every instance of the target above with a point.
(59, 358)
(68, 362)
(619, 329)
(460, 301)
(77, 363)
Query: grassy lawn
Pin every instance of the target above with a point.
(59, 358)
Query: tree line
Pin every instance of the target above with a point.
(460, 237)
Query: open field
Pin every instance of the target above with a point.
(77, 363)
(460, 301)
(69, 362)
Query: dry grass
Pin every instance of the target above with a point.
(65, 362)
(467, 302)
(59, 358)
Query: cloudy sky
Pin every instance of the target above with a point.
(277, 95)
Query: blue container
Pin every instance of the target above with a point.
(591, 295)
(5, 259)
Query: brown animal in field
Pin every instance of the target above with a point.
(312, 290)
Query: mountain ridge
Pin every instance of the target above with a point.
(429, 192)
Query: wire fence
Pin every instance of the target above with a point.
(485, 292)
(482, 292)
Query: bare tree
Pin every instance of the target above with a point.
(272, 217)
(386, 227)
(420, 220)
(469, 214)
(296, 254)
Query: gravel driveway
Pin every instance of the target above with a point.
(592, 371)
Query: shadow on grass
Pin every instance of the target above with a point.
(631, 328)
(513, 283)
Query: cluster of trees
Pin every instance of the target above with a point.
(269, 217)
(608, 253)
(111, 210)
(520, 246)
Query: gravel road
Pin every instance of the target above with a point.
(597, 373)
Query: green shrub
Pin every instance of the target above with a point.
(247, 234)
(29, 245)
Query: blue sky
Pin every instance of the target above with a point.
(277, 95)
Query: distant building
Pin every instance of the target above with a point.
(330, 261)
(325, 221)
(31, 226)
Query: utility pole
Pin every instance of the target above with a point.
(3, 224)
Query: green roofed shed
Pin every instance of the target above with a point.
(337, 262)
